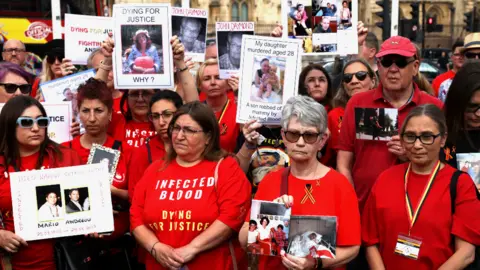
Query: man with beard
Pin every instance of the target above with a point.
(189, 33)
(231, 59)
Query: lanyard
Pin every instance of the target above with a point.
(223, 111)
(412, 216)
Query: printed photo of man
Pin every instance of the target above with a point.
(74, 205)
(230, 60)
(190, 34)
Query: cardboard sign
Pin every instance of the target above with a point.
(65, 88)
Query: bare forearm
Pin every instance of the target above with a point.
(374, 258)
(243, 236)
(463, 256)
(345, 164)
(102, 74)
(243, 157)
(145, 237)
(216, 234)
(343, 256)
(120, 193)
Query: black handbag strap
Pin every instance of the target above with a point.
(453, 189)
(284, 184)
(149, 152)
(116, 145)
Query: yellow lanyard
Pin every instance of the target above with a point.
(223, 111)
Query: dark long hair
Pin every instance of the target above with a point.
(205, 117)
(302, 89)
(169, 95)
(465, 83)
(128, 113)
(432, 112)
(9, 147)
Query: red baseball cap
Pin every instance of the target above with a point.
(397, 45)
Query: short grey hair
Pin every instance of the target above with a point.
(92, 55)
(307, 111)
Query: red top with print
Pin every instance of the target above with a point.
(333, 196)
(372, 157)
(229, 129)
(38, 255)
(179, 203)
(385, 217)
(133, 134)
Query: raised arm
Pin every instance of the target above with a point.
(187, 90)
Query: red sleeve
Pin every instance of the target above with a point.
(70, 158)
(135, 169)
(233, 191)
(436, 84)
(369, 221)
(35, 85)
(116, 128)
(332, 120)
(138, 201)
(347, 132)
(349, 219)
(466, 220)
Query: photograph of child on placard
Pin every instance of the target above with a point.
(142, 49)
(376, 123)
(345, 15)
(49, 203)
(268, 74)
(470, 163)
(299, 18)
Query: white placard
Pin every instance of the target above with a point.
(43, 202)
(270, 69)
(229, 42)
(143, 55)
(60, 115)
(83, 34)
(65, 88)
(325, 27)
(190, 26)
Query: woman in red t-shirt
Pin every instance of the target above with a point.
(357, 76)
(95, 104)
(183, 212)
(313, 189)
(24, 145)
(407, 220)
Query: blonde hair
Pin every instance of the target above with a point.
(208, 62)
(47, 73)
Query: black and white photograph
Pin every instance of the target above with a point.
(76, 200)
(268, 74)
(376, 123)
(190, 26)
(313, 236)
(268, 228)
(229, 49)
(49, 203)
(299, 18)
(100, 154)
(470, 163)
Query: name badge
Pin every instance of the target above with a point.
(408, 247)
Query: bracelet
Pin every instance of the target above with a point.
(181, 69)
(105, 67)
(152, 249)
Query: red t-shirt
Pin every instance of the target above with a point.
(385, 217)
(441, 79)
(230, 94)
(119, 180)
(132, 133)
(229, 129)
(335, 118)
(365, 172)
(334, 196)
(38, 255)
(116, 105)
(179, 203)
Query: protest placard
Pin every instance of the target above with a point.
(61, 202)
(60, 115)
(190, 26)
(83, 34)
(263, 87)
(142, 57)
(65, 88)
(229, 45)
(325, 27)
(109, 156)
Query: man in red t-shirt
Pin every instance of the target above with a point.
(442, 82)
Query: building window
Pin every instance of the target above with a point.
(244, 13)
(235, 15)
(239, 11)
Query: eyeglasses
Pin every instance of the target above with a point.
(145, 95)
(472, 55)
(52, 57)
(458, 54)
(11, 88)
(166, 115)
(361, 75)
(27, 122)
(308, 137)
(401, 62)
(473, 108)
(15, 50)
(427, 139)
(187, 131)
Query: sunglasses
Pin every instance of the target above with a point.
(11, 88)
(308, 137)
(472, 55)
(27, 122)
(361, 75)
(399, 62)
(52, 57)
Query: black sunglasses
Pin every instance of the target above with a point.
(11, 88)
(401, 62)
(52, 57)
(361, 75)
(308, 137)
(472, 55)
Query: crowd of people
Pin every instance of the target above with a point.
(187, 171)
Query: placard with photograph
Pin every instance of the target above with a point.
(190, 26)
(84, 34)
(60, 115)
(376, 123)
(142, 58)
(43, 201)
(109, 156)
(229, 45)
(263, 87)
(268, 228)
(313, 236)
(470, 163)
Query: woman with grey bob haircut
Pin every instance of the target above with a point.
(307, 111)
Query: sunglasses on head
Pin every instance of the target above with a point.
(27, 122)
(400, 62)
(348, 77)
(472, 55)
(52, 57)
(11, 88)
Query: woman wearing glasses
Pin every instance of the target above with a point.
(202, 200)
(14, 81)
(462, 111)
(24, 145)
(313, 189)
(407, 221)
